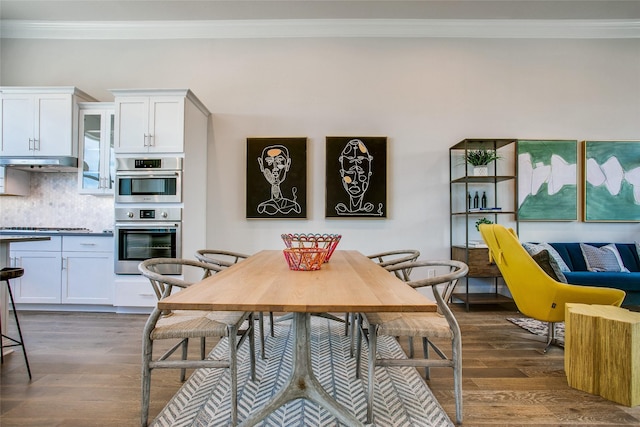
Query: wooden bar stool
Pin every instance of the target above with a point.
(5, 275)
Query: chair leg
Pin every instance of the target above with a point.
(425, 354)
(411, 350)
(147, 351)
(346, 324)
(352, 331)
(373, 348)
(233, 367)
(551, 336)
(185, 352)
(359, 338)
(1, 343)
(456, 357)
(271, 321)
(261, 327)
(21, 342)
(252, 348)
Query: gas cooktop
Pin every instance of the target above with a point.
(45, 229)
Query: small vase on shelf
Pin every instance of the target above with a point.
(481, 170)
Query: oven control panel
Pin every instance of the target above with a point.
(148, 214)
(124, 164)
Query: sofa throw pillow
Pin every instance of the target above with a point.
(544, 261)
(605, 258)
(534, 248)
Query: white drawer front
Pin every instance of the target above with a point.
(134, 293)
(87, 243)
(55, 244)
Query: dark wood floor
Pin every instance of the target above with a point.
(86, 372)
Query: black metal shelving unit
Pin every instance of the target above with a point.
(500, 186)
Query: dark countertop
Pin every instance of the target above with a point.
(11, 239)
(13, 233)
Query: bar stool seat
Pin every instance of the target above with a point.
(7, 274)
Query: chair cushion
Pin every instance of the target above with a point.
(544, 261)
(196, 324)
(605, 258)
(430, 325)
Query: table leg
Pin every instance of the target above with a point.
(329, 316)
(302, 383)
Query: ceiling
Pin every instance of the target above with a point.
(159, 10)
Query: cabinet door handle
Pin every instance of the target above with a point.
(87, 244)
(147, 137)
(64, 263)
(31, 144)
(151, 144)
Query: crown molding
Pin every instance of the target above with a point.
(322, 28)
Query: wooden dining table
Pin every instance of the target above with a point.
(349, 282)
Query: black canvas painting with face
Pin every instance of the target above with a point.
(356, 177)
(276, 178)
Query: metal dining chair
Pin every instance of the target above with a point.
(428, 326)
(383, 259)
(225, 259)
(182, 325)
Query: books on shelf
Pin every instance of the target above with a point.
(476, 244)
(485, 209)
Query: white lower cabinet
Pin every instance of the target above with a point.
(64, 270)
(41, 282)
(41, 261)
(87, 270)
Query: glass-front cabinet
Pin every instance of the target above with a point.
(96, 173)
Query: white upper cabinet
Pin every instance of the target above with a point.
(40, 121)
(152, 121)
(96, 174)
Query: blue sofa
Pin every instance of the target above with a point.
(579, 275)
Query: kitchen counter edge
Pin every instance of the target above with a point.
(51, 234)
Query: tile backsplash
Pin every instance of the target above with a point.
(55, 202)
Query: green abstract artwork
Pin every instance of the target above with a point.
(547, 180)
(612, 181)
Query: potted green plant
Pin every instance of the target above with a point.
(480, 160)
(482, 220)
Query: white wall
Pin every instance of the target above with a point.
(424, 94)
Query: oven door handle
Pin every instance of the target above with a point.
(137, 174)
(148, 225)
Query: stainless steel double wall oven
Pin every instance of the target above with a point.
(148, 212)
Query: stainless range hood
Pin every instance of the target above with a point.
(41, 164)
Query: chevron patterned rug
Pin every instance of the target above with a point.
(537, 327)
(402, 397)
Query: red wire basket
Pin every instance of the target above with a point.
(326, 241)
(305, 259)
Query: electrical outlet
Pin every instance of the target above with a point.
(431, 273)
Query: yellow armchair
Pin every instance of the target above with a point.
(534, 292)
